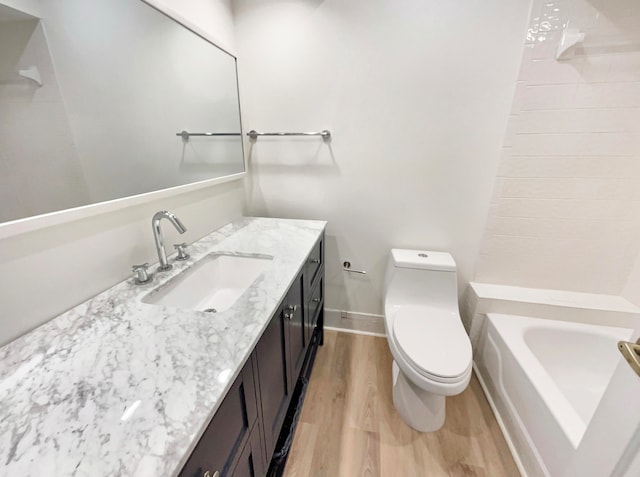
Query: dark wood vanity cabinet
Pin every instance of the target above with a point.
(314, 291)
(294, 331)
(232, 429)
(251, 462)
(242, 436)
(280, 354)
(271, 355)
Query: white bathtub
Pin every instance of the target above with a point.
(545, 379)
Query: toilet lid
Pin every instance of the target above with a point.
(433, 340)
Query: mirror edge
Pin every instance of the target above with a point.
(189, 25)
(36, 222)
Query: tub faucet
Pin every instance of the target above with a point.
(157, 235)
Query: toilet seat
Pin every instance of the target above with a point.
(433, 342)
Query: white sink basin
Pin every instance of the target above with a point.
(213, 284)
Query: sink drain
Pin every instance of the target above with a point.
(211, 310)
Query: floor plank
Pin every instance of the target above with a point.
(349, 427)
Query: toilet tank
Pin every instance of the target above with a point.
(419, 277)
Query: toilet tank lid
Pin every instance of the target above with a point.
(423, 259)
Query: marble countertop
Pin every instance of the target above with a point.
(119, 387)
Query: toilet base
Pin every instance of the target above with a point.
(420, 409)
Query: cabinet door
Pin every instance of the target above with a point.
(294, 331)
(271, 356)
(251, 461)
(314, 287)
(227, 433)
(314, 263)
(314, 306)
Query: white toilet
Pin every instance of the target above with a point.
(430, 347)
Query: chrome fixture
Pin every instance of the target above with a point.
(346, 266)
(182, 255)
(186, 134)
(157, 235)
(141, 274)
(326, 135)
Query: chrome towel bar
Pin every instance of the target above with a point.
(186, 134)
(324, 133)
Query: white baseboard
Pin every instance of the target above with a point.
(361, 323)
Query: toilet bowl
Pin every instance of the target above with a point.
(431, 350)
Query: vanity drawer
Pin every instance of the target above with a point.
(228, 432)
(314, 263)
(315, 302)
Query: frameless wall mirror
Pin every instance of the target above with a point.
(92, 96)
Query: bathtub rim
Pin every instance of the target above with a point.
(567, 417)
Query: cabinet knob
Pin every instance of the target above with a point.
(315, 260)
(289, 311)
(316, 300)
(208, 473)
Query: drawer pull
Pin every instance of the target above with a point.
(289, 311)
(315, 260)
(316, 300)
(209, 474)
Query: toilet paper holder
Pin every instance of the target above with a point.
(346, 266)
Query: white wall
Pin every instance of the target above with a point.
(47, 271)
(416, 94)
(565, 213)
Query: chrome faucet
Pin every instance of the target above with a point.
(157, 235)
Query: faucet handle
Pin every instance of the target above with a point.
(182, 255)
(141, 273)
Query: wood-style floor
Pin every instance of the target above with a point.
(349, 427)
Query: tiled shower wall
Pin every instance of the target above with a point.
(566, 208)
